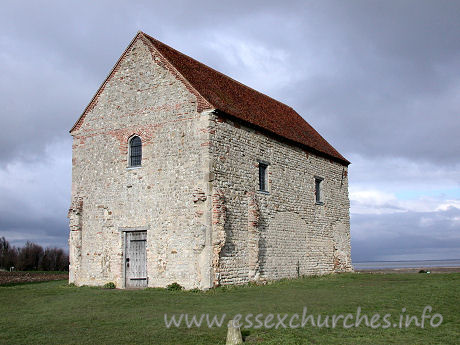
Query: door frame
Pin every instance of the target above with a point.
(123, 232)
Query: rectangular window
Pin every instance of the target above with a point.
(136, 156)
(263, 177)
(318, 191)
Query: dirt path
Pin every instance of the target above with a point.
(28, 277)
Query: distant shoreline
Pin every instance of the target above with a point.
(410, 265)
(410, 270)
(374, 261)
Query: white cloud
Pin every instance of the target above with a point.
(373, 202)
(448, 204)
(252, 62)
(391, 185)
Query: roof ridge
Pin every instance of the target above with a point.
(222, 74)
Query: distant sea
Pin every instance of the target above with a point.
(375, 265)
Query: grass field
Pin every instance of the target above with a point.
(56, 313)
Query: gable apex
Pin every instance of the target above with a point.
(202, 104)
(101, 88)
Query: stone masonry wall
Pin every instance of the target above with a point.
(283, 233)
(167, 195)
(196, 192)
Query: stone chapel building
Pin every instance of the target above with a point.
(182, 174)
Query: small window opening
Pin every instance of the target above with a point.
(135, 152)
(263, 177)
(318, 190)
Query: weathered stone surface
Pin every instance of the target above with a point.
(294, 234)
(196, 191)
(234, 336)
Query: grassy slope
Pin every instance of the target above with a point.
(55, 313)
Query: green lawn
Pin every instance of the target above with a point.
(56, 313)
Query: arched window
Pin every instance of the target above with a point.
(135, 152)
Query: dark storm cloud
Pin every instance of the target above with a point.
(375, 77)
(34, 197)
(34, 227)
(378, 79)
(407, 235)
(391, 85)
(18, 215)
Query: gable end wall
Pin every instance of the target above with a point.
(167, 196)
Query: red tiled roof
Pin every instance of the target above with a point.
(244, 103)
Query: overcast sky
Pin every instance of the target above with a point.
(378, 79)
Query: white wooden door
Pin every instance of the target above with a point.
(135, 259)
